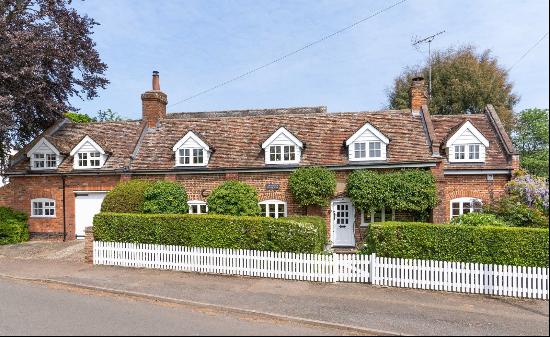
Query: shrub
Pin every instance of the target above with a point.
(515, 212)
(234, 198)
(318, 222)
(126, 197)
(206, 230)
(165, 197)
(478, 219)
(405, 190)
(312, 185)
(13, 226)
(479, 244)
(532, 191)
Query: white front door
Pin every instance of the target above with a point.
(343, 223)
(87, 204)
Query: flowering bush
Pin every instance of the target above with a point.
(533, 191)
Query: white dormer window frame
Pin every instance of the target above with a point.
(196, 154)
(93, 158)
(362, 148)
(282, 150)
(467, 149)
(44, 156)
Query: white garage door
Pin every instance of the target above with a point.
(87, 204)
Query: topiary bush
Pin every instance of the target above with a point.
(165, 197)
(234, 198)
(126, 197)
(13, 226)
(479, 244)
(312, 185)
(207, 230)
(478, 219)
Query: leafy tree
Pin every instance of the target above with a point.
(78, 117)
(530, 137)
(312, 185)
(47, 56)
(234, 198)
(462, 81)
(108, 116)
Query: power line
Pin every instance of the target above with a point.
(324, 38)
(528, 51)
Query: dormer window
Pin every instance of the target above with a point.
(44, 156)
(467, 145)
(191, 150)
(88, 155)
(282, 148)
(367, 144)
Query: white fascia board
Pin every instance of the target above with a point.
(196, 138)
(86, 139)
(372, 129)
(467, 126)
(287, 134)
(42, 141)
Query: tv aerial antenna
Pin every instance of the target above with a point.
(416, 43)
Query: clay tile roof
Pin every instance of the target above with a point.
(446, 125)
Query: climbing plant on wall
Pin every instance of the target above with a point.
(405, 190)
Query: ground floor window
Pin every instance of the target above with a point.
(464, 206)
(197, 207)
(368, 217)
(273, 208)
(43, 208)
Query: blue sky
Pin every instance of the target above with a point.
(197, 44)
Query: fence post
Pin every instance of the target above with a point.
(372, 273)
(335, 267)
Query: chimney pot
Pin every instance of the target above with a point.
(153, 103)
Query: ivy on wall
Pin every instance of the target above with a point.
(405, 190)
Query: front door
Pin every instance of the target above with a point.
(343, 222)
(87, 204)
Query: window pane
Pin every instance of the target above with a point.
(360, 150)
(459, 152)
(375, 150)
(272, 210)
(378, 216)
(263, 207)
(477, 205)
(456, 209)
(289, 153)
(275, 153)
(474, 152)
(51, 160)
(203, 209)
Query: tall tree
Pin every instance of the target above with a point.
(47, 56)
(530, 137)
(462, 81)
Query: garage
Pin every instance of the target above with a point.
(87, 204)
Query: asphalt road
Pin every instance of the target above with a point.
(36, 309)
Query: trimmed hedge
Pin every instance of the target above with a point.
(234, 198)
(13, 226)
(126, 197)
(487, 244)
(312, 185)
(218, 231)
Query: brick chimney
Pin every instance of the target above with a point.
(418, 94)
(153, 103)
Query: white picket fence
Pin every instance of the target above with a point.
(527, 282)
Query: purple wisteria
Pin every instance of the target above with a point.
(531, 190)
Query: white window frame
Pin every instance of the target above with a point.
(461, 202)
(373, 214)
(290, 141)
(354, 140)
(86, 156)
(46, 163)
(275, 202)
(480, 142)
(43, 207)
(180, 146)
(197, 203)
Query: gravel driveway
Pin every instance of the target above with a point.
(72, 251)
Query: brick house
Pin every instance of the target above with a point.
(61, 177)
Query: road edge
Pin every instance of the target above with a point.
(202, 305)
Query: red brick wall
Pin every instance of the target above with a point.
(21, 190)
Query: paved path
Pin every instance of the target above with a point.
(29, 309)
(390, 309)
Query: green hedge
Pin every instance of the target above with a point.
(234, 198)
(13, 226)
(126, 197)
(220, 231)
(165, 197)
(487, 244)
